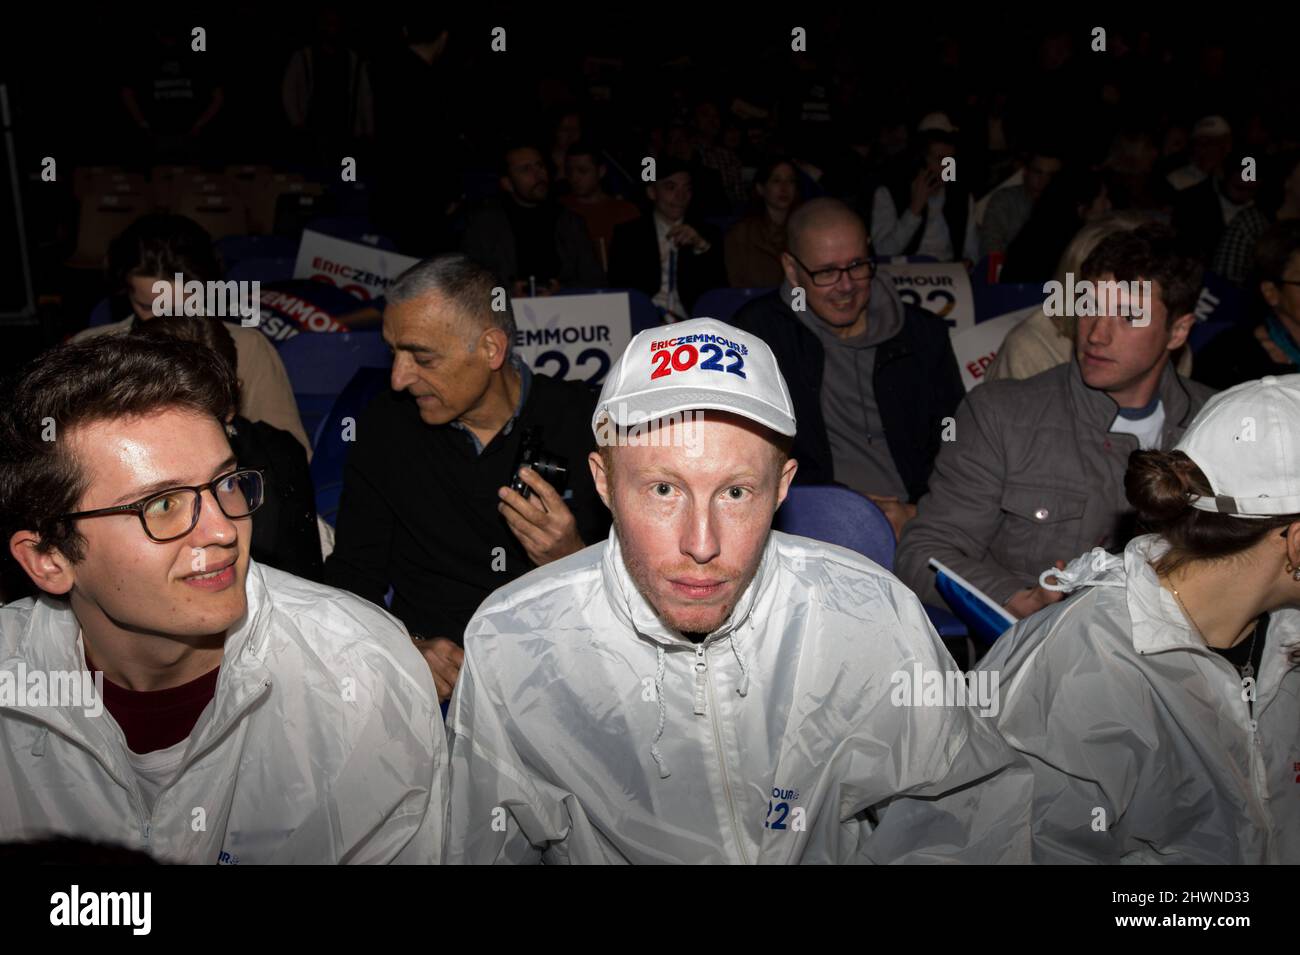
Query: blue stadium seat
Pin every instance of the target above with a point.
(261, 270)
(722, 303)
(994, 300)
(837, 515)
(352, 229)
(320, 365)
(1203, 333)
(329, 450)
(102, 314)
(236, 248)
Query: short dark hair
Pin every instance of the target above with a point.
(769, 165)
(1045, 148)
(1149, 252)
(470, 286)
(206, 330)
(668, 167)
(159, 246)
(585, 147)
(1274, 249)
(515, 146)
(80, 383)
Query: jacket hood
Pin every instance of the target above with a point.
(1158, 623)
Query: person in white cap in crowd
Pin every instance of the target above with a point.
(926, 211)
(1210, 147)
(700, 688)
(1159, 709)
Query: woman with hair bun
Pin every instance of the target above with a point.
(1159, 707)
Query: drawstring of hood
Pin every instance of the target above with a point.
(660, 664)
(633, 610)
(743, 688)
(1086, 570)
(658, 757)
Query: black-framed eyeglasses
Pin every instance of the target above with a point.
(1280, 281)
(172, 513)
(859, 270)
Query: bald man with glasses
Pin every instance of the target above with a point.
(872, 378)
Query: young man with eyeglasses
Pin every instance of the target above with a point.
(872, 378)
(246, 715)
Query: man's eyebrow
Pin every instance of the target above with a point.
(157, 486)
(658, 471)
(856, 260)
(411, 347)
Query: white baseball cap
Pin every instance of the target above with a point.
(1246, 441)
(935, 123)
(1209, 127)
(697, 364)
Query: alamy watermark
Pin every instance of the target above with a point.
(1088, 299)
(921, 687)
(680, 429)
(77, 689)
(221, 299)
(133, 910)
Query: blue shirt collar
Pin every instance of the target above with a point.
(525, 383)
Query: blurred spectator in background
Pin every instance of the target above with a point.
(922, 213)
(566, 132)
(171, 94)
(1072, 199)
(872, 378)
(713, 153)
(157, 248)
(419, 124)
(1130, 169)
(585, 170)
(706, 183)
(754, 245)
(1269, 347)
(326, 91)
(671, 256)
(1010, 207)
(1211, 143)
(284, 535)
(1278, 201)
(532, 243)
(1202, 212)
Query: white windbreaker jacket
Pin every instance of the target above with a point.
(322, 744)
(1140, 737)
(583, 730)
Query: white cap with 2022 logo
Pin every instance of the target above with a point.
(700, 364)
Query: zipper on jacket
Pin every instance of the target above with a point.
(701, 668)
(1258, 776)
(702, 676)
(142, 818)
